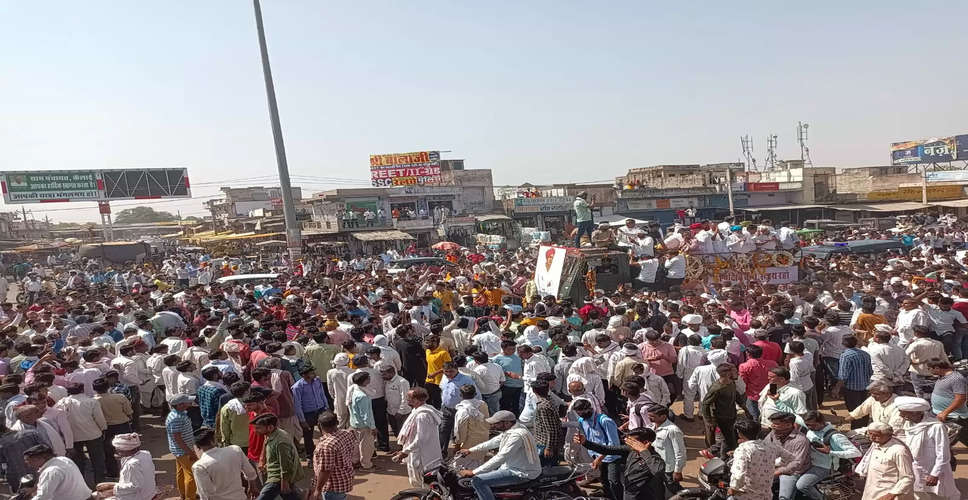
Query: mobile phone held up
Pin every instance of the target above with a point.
(772, 390)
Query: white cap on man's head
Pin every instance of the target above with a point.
(501, 416)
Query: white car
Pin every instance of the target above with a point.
(241, 279)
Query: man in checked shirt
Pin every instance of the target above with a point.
(547, 426)
(332, 461)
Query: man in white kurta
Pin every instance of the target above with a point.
(887, 466)
(927, 438)
(337, 382)
(419, 437)
(137, 477)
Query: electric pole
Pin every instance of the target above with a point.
(293, 234)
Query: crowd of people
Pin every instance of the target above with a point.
(290, 387)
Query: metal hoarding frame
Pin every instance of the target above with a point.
(94, 185)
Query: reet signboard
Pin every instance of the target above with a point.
(419, 168)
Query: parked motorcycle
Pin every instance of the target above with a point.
(554, 483)
(714, 478)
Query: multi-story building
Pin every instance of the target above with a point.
(659, 192)
(398, 215)
(239, 202)
(550, 207)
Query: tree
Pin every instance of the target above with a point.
(141, 215)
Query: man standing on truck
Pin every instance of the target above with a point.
(583, 217)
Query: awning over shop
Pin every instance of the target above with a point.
(382, 236)
(951, 203)
(779, 207)
(902, 206)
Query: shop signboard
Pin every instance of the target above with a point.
(762, 186)
(934, 150)
(947, 176)
(914, 193)
(662, 203)
(418, 168)
(543, 204)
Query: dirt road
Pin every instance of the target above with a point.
(388, 478)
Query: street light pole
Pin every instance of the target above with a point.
(293, 234)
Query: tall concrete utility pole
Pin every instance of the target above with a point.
(293, 234)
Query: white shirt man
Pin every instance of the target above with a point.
(419, 439)
(517, 451)
(670, 445)
(889, 362)
(648, 268)
(788, 238)
(705, 240)
(396, 394)
(60, 479)
(642, 246)
(676, 267)
(84, 414)
(929, 445)
(217, 473)
(906, 321)
(491, 377)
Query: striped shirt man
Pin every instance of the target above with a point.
(855, 369)
(178, 423)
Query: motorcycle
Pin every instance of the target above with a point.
(554, 483)
(714, 477)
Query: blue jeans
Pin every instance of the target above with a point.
(585, 226)
(272, 490)
(807, 484)
(482, 483)
(833, 370)
(332, 495)
(959, 344)
(753, 408)
(493, 402)
(788, 486)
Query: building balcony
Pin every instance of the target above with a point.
(333, 225)
(412, 224)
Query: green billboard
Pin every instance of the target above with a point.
(60, 185)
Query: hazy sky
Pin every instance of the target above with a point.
(539, 91)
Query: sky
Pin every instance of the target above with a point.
(538, 91)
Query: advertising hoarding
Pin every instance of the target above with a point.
(94, 185)
(934, 150)
(418, 168)
(53, 186)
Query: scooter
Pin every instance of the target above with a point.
(554, 483)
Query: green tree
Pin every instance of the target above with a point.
(141, 215)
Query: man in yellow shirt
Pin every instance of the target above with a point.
(436, 357)
(446, 297)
